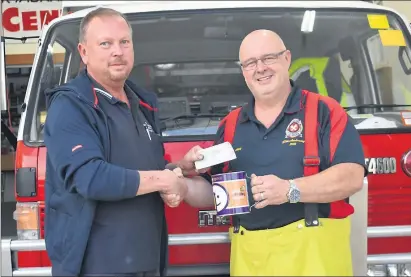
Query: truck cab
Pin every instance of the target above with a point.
(187, 53)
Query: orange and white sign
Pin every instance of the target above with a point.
(406, 118)
(26, 18)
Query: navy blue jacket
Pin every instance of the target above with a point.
(75, 180)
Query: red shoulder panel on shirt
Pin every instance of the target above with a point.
(338, 122)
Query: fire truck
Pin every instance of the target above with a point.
(358, 53)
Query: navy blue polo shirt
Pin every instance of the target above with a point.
(126, 234)
(273, 151)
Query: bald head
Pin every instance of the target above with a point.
(261, 36)
(265, 62)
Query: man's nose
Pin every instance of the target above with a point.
(117, 49)
(260, 66)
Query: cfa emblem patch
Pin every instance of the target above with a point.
(294, 132)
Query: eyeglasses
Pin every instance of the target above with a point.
(266, 59)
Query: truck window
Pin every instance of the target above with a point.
(190, 60)
(394, 85)
(52, 74)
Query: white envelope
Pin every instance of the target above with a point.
(216, 155)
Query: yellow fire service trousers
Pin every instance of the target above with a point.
(293, 250)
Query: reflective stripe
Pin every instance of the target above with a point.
(316, 67)
(407, 95)
(347, 98)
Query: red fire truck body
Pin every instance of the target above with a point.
(187, 53)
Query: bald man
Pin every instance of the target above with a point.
(299, 221)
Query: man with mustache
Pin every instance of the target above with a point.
(106, 171)
(299, 224)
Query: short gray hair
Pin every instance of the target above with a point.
(99, 12)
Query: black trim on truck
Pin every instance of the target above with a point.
(26, 185)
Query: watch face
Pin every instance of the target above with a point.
(294, 196)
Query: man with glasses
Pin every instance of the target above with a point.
(299, 223)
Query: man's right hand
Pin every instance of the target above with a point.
(162, 181)
(174, 183)
(174, 199)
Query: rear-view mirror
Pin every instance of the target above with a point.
(404, 55)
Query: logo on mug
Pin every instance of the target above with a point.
(230, 193)
(220, 197)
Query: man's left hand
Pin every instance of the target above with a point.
(269, 190)
(172, 200)
(187, 163)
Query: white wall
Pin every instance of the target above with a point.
(402, 7)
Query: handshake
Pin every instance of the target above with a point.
(177, 188)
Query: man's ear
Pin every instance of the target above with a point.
(83, 52)
(287, 57)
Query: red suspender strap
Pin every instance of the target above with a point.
(230, 124)
(311, 159)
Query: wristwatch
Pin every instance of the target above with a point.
(293, 194)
